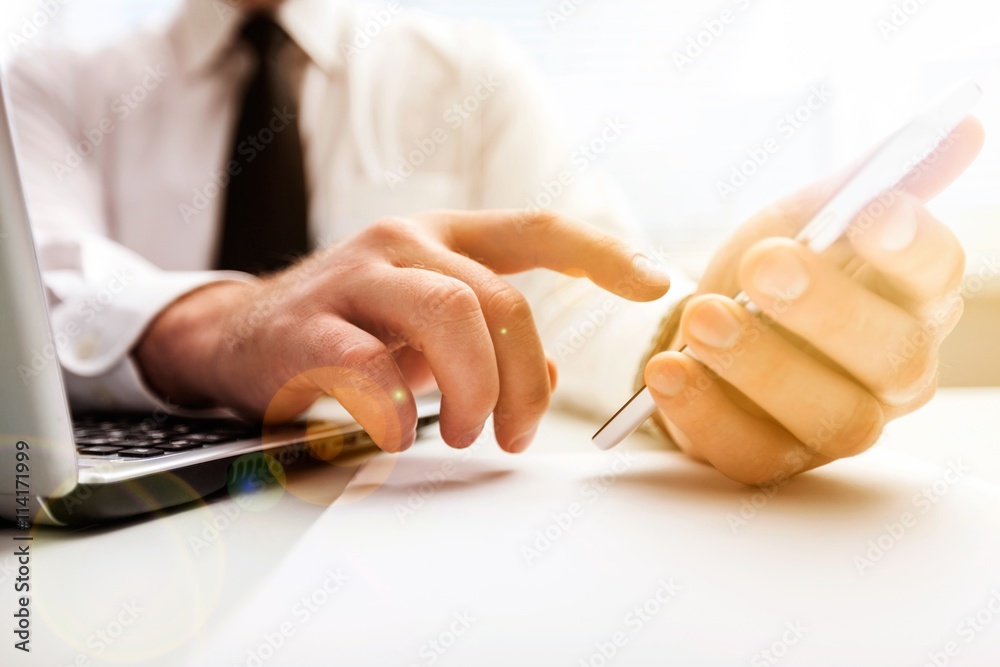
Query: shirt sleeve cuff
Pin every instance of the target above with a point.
(95, 353)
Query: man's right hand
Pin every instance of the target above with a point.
(387, 312)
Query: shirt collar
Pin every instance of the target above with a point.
(205, 31)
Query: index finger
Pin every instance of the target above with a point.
(511, 241)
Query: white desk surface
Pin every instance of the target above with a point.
(216, 578)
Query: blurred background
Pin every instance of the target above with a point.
(824, 80)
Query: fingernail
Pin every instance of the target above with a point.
(522, 442)
(898, 229)
(470, 437)
(649, 272)
(714, 325)
(782, 274)
(667, 377)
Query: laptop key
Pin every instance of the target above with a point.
(94, 441)
(99, 451)
(179, 445)
(205, 438)
(140, 452)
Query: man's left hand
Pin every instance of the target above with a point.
(848, 339)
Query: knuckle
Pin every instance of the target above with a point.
(393, 230)
(949, 317)
(538, 223)
(450, 298)
(366, 356)
(957, 309)
(603, 249)
(535, 400)
(956, 275)
(322, 336)
(769, 252)
(861, 429)
(912, 367)
(943, 315)
(446, 303)
(915, 377)
(934, 265)
(946, 273)
(508, 308)
(953, 252)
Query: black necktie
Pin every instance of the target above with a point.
(265, 222)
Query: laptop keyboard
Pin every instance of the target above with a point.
(117, 436)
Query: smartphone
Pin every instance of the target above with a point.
(884, 170)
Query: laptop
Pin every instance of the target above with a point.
(67, 469)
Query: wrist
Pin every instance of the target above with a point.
(180, 352)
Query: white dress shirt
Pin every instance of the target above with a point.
(124, 153)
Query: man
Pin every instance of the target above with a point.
(234, 141)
